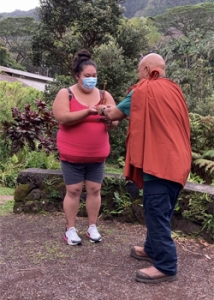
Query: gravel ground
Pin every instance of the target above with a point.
(35, 263)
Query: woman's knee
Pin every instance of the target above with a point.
(93, 189)
(73, 191)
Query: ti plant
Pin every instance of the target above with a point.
(30, 127)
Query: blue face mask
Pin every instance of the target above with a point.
(89, 83)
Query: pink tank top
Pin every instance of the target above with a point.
(87, 141)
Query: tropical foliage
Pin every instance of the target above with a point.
(66, 26)
(10, 165)
(187, 46)
(182, 35)
(31, 128)
(202, 137)
(98, 26)
(6, 58)
(15, 95)
(186, 19)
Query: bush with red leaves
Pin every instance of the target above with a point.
(30, 127)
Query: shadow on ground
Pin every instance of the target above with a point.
(35, 263)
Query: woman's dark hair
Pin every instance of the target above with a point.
(82, 59)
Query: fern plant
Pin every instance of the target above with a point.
(198, 211)
(202, 137)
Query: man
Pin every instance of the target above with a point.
(158, 159)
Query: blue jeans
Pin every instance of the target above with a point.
(159, 200)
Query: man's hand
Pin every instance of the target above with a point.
(99, 108)
(110, 112)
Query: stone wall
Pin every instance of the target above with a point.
(44, 190)
(39, 190)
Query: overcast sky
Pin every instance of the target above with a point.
(11, 5)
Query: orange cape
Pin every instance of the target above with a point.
(158, 140)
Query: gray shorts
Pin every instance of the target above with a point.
(78, 172)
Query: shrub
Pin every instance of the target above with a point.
(202, 137)
(25, 158)
(29, 127)
(117, 141)
(15, 95)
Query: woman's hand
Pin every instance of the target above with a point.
(92, 110)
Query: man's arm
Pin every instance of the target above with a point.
(111, 112)
(119, 112)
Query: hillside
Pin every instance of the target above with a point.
(147, 8)
(138, 8)
(20, 14)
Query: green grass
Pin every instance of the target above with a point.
(6, 208)
(114, 169)
(6, 191)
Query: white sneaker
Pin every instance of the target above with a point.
(93, 234)
(71, 237)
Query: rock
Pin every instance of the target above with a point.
(137, 209)
(127, 216)
(34, 195)
(22, 190)
(187, 226)
(132, 189)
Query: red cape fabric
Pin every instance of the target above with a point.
(158, 140)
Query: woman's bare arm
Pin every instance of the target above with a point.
(62, 113)
(109, 102)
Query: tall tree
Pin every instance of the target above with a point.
(15, 34)
(145, 8)
(98, 25)
(132, 32)
(6, 60)
(185, 19)
(68, 25)
(189, 63)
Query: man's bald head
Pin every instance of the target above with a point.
(150, 62)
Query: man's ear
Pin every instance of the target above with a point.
(147, 70)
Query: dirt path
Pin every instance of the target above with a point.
(35, 263)
(5, 198)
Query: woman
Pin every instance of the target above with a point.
(83, 144)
